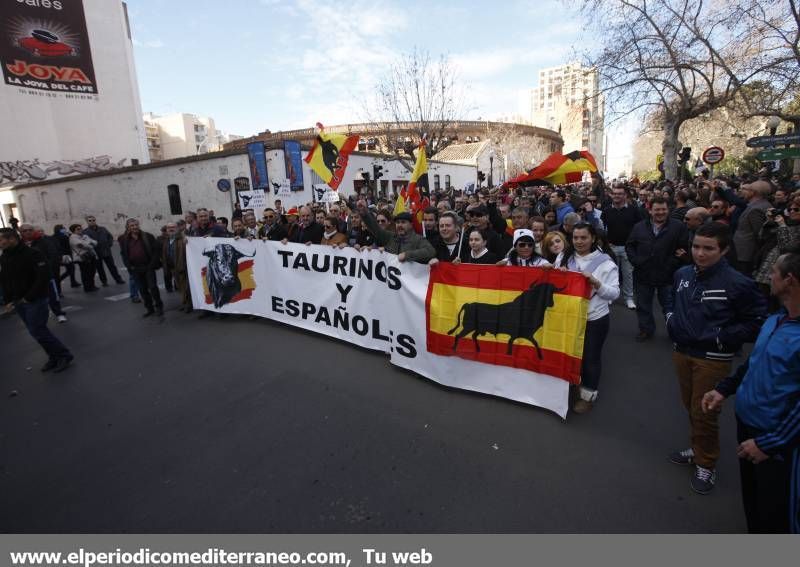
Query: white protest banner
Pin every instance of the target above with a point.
(256, 200)
(285, 188)
(510, 332)
(325, 194)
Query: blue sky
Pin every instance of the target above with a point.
(254, 65)
(279, 64)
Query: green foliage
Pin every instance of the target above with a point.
(737, 165)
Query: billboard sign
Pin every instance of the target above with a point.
(258, 165)
(294, 164)
(45, 46)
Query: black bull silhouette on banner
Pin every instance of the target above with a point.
(222, 273)
(520, 318)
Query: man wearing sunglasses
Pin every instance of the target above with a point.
(272, 229)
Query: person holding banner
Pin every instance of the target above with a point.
(407, 244)
(306, 230)
(478, 252)
(332, 236)
(272, 229)
(523, 252)
(451, 240)
(601, 271)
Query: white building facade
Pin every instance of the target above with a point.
(69, 98)
(159, 192)
(181, 135)
(568, 100)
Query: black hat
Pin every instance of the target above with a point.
(479, 210)
(403, 216)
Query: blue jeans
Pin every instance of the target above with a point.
(644, 304)
(133, 287)
(625, 271)
(34, 315)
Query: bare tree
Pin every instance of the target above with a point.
(417, 98)
(519, 151)
(678, 59)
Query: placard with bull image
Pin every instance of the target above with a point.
(511, 332)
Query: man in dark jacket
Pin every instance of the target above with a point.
(34, 237)
(103, 250)
(207, 227)
(451, 243)
(713, 311)
(142, 257)
(655, 248)
(308, 231)
(619, 218)
(24, 277)
(272, 229)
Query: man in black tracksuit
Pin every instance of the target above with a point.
(655, 248)
(24, 277)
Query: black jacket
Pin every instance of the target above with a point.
(104, 240)
(653, 257)
(24, 274)
(275, 232)
(312, 233)
(620, 222)
(443, 252)
(151, 249)
(51, 251)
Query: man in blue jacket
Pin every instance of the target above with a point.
(713, 310)
(767, 389)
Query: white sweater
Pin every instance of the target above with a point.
(608, 274)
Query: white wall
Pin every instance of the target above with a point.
(49, 128)
(114, 197)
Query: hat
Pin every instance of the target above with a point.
(292, 212)
(480, 210)
(403, 216)
(523, 233)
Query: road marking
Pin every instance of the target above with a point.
(118, 297)
(69, 308)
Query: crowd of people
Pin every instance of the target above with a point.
(721, 256)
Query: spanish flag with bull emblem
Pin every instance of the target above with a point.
(528, 318)
(329, 155)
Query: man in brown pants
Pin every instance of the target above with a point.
(173, 255)
(713, 311)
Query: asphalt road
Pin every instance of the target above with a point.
(239, 425)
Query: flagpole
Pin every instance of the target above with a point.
(460, 242)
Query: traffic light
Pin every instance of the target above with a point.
(377, 172)
(365, 176)
(481, 177)
(685, 154)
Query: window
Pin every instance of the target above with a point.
(436, 184)
(446, 181)
(241, 184)
(174, 196)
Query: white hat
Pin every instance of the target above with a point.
(522, 232)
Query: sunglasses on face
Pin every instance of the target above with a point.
(524, 244)
(794, 209)
(383, 221)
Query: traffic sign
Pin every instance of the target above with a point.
(713, 155)
(774, 155)
(771, 141)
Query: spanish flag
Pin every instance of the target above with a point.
(558, 169)
(329, 154)
(526, 318)
(418, 189)
(246, 279)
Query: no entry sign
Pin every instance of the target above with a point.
(713, 155)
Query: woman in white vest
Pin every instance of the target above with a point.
(587, 258)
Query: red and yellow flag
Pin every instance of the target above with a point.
(246, 279)
(329, 154)
(418, 189)
(520, 317)
(558, 169)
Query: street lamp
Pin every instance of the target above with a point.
(491, 168)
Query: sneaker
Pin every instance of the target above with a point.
(630, 304)
(582, 406)
(642, 337)
(61, 318)
(62, 363)
(52, 363)
(703, 480)
(685, 457)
